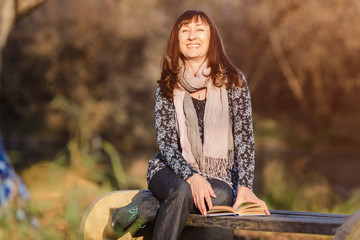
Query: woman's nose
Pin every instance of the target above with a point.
(192, 35)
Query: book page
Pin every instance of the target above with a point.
(247, 209)
(217, 209)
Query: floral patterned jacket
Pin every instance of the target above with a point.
(240, 109)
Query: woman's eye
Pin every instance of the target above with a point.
(184, 30)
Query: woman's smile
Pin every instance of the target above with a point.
(192, 45)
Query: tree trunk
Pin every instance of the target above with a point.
(10, 12)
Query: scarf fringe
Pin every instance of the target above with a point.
(218, 167)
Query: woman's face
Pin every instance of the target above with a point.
(194, 39)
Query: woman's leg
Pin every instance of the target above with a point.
(176, 203)
(224, 193)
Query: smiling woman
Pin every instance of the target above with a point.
(203, 123)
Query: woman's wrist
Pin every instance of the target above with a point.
(191, 179)
(243, 188)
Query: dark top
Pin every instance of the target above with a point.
(200, 109)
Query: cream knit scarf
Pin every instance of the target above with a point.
(210, 158)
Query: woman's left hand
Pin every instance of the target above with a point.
(247, 195)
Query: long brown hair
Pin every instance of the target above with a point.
(222, 71)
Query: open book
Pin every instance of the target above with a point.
(245, 209)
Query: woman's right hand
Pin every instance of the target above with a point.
(201, 191)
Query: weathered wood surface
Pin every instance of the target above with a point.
(350, 230)
(278, 221)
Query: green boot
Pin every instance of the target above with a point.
(122, 220)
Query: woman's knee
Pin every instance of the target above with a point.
(166, 184)
(223, 192)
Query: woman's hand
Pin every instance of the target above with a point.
(247, 195)
(201, 189)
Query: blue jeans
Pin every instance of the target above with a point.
(176, 202)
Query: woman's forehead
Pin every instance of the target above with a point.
(198, 20)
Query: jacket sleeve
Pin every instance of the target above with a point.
(167, 138)
(244, 144)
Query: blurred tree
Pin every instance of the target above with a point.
(11, 11)
(84, 52)
(311, 45)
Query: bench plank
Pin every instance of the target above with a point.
(279, 221)
(314, 214)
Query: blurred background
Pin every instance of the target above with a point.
(78, 80)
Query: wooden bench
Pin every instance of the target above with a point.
(343, 227)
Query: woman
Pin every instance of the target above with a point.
(204, 132)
